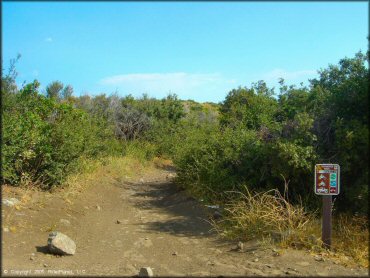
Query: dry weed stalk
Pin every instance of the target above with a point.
(268, 215)
(265, 213)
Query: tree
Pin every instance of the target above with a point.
(130, 123)
(54, 90)
(8, 84)
(67, 92)
(252, 108)
(341, 125)
(171, 109)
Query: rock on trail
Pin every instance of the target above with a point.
(146, 272)
(10, 202)
(144, 228)
(60, 244)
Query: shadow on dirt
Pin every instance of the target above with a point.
(186, 216)
(166, 167)
(43, 249)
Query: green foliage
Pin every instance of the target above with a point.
(67, 92)
(139, 149)
(54, 89)
(252, 138)
(251, 108)
(43, 139)
(269, 143)
(342, 127)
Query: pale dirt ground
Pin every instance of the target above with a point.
(157, 220)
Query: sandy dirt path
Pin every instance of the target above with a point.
(159, 227)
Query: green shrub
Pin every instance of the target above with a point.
(270, 143)
(43, 140)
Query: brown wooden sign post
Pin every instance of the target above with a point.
(327, 180)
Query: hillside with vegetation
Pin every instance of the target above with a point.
(252, 154)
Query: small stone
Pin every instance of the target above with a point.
(118, 222)
(146, 272)
(10, 202)
(46, 265)
(269, 265)
(142, 180)
(170, 176)
(174, 254)
(240, 246)
(98, 207)
(32, 258)
(319, 258)
(65, 222)
(146, 238)
(275, 252)
(86, 207)
(217, 215)
(61, 244)
(276, 272)
(303, 263)
(6, 229)
(255, 260)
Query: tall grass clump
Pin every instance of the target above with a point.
(270, 218)
(263, 215)
(351, 238)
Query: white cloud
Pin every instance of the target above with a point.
(275, 74)
(48, 39)
(160, 79)
(186, 85)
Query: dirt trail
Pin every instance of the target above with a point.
(160, 227)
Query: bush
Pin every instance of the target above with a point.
(267, 214)
(43, 140)
(265, 143)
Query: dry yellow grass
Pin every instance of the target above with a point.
(351, 239)
(110, 169)
(268, 217)
(162, 162)
(263, 214)
(91, 170)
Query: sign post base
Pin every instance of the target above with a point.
(326, 220)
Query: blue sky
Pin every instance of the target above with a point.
(198, 50)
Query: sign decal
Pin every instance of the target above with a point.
(327, 179)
